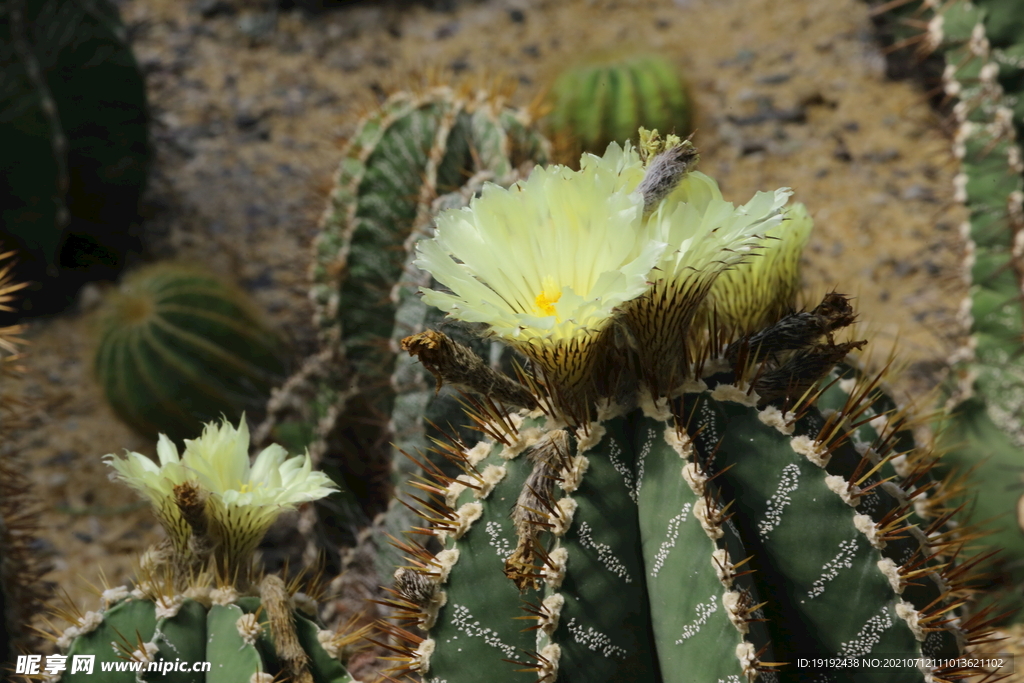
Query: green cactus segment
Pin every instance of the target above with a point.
(692, 627)
(126, 623)
(598, 104)
(474, 627)
(72, 99)
(604, 639)
(985, 432)
(182, 632)
(232, 659)
(179, 347)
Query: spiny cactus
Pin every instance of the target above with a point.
(681, 507)
(417, 149)
(197, 597)
(73, 118)
(594, 104)
(178, 346)
(985, 434)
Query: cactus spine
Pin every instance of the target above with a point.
(178, 346)
(720, 525)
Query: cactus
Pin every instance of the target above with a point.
(178, 346)
(595, 104)
(985, 433)
(417, 149)
(686, 504)
(197, 596)
(73, 101)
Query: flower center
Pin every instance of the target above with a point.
(549, 296)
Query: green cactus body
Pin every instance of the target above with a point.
(643, 576)
(73, 101)
(985, 432)
(178, 346)
(171, 634)
(596, 104)
(416, 151)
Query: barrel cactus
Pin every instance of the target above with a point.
(688, 502)
(178, 346)
(197, 597)
(985, 392)
(596, 103)
(73, 101)
(420, 148)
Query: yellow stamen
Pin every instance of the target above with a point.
(545, 301)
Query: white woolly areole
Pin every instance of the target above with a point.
(691, 386)
(555, 574)
(421, 657)
(906, 612)
(900, 464)
(200, 594)
(773, 417)
(747, 655)
(304, 603)
(733, 603)
(814, 451)
(723, 567)
(552, 610)
(694, 478)
(112, 595)
(866, 526)
(480, 451)
(454, 490)
(167, 606)
(656, 410)
(879, 424)
(328, 642)
(70, 633)
(432, 608)
(444, 561)
(847, 385)
(561, 522)
(147, 654)
(700, 511)
(491, 475)
(585, 441)
(891, 572)
(142, 589)
(525, 439)
(679, 441)
(88, 623)
(608, 409)
(551, 653)
(573, 475)
(843, 489)
(249, 628)
(896, 492)
(731, 392)
(464, 518)
(261, 677)
(223, 596)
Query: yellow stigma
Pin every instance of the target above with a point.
(549, 296)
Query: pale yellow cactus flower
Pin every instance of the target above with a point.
(242, 500)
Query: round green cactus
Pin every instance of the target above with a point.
(72, 99)
(595, 104)
(178, 346)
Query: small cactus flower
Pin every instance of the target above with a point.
(237, 501)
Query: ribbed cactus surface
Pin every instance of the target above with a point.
(178, 346)
(73, 118)
(594, 104)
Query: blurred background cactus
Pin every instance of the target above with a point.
(981, 50)
(178, 346)
(594, 104)
(420, 149)
(76, 152)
